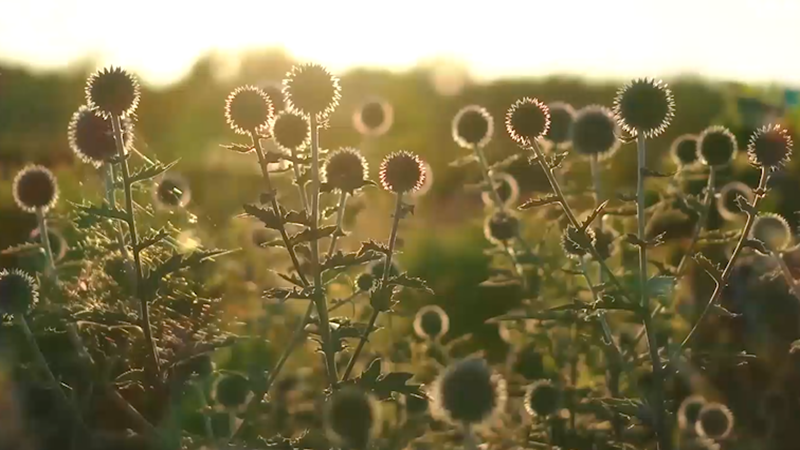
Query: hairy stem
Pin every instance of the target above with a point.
(300, 187)
(339, 221)
(111, 199)
(50, 270)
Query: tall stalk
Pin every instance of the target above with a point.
(297, 178)
(339, 221)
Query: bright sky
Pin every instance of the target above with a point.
(748, 40)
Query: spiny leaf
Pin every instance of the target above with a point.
(91, 215)
(538, 201)
(239, 148)
(708, 266)
(656, 174)
(756, 245)
(373, 246)
(176, 262)
(341, 260)
(595, 213)
(370, 376)
(21, 248)
(283, 294)
(744, 205)
(298, 217)
(152, 237)
(266, 216)
(557, 159)
(505, 163)
(291, 279)
(410, 282)
(150, 171)
(309, 235)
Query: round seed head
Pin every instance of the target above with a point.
(402, 172)
(527, 119)
(472, 126)
(716, 146)
(773, 230)
(501, 227)
(113, 91)
(689, 411)
(577, 244)
(595, 132)
(562, 115)
(91, 136)
(248, 109)
(770, 147)
(605, 241)
(644, 106)
(431, 322)
(373, 118)
(312, 89)
(726, 201)
(232, 390)
(345, 170)
(351, 418)
(507, 188)
(365, 282)
(715, 421)
(18, 292)
(542, 399)
(35, 188)
(468, 392)
(58, 244)
(290, 130)
(172, 192)
(684, 151)
(529, 362)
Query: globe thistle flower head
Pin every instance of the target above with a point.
(35, 188)
(770, 147)
(431, 322)
(91, 136)
(562, 115)
(312, 90)
(402, 172)
(113, 91)
(689, 411)
(646, 106)
(290, 130)
(345, 170)
(529, 362)
(373, 118)
(542, 399)
(715, 421)
(248, 109)
(351, 418)
(507, 188)
(577, 244)
(468, 392)
(365, 282)
(527, 119)
(595, 132)
(19, 292)
(684, 151)
(232, 390)
(726, 200)
(472, 126)
(773, 230)
(501, 227)
(716, 146)
(172, 192)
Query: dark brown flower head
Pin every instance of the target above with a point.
(684, 151)
(577, 244)
(716, 146)
(542, 399)
(248, 109)
(172, 192)
(770, 147)
(527, 119)
(472, 126)
(646, 106)
(91, 136)
(689, 411)
(374, 117)
(345, 170)
(507, 188)
(290, 130)
(232, 390)
(486, 393)
(312, 89)
(715, 421)
(18, 292)
(773, 230)
(726, 200)
(501, 227)
(402, 172)
(431, 322)
(35, 188)
(112, 92)
(595, 132)
(561, 117)
(351, 418)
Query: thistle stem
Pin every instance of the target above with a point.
(594, 166)
(130, 219)
(701, 221)
(398, 211)
(300, 187)
(339, 222)
(50, 271)
(111, 199)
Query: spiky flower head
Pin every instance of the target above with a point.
(351, 418)
(311, 89)
(562, 115)
(716, 146)
(542, 399)
(35, 188)
(770, 147)
(472, 126)
(501, 227)
(91, 136)
(527, 119)
(18, 292)
(486, 392)
(506, 187)
(232, 390)
(773, 230)
(113, 92)
(365, 281)
(684, 150)
(402, 172)
(290, 130)
(689, 411)
(595, 132)
(577, 243)
(431, 322)
(373, 117)
(172, 192)
(248, 109)
(646, 106)
(345, 170)
(715, 421)
(726, 200)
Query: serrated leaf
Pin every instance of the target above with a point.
(370, 376)
(743, 204)
(91, 215)
(176, 262)
(297, 217)
(557, 159)
(309, 234)
(368, 246)
(21, 248)
(708, 266)
(266, 216)
(153, 237)
(756, 245)
(595, 213)
(150, 171)
(410, 282)
(538, 201)
(239, 148)
(342, 260)
(505, 163)
(291, 279)
(283, 294)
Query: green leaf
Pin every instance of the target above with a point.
(239, 148)
(597, 211)
(266, 216)
(309, 235)
(373, 246)
(92, 215)
(370, 376)
(756, 245)
(661, 286)
(150, 171)
(174, 263)
(153, 237)
(410, 282)
(708, 266)
(283, 294)
(21, 248)
(341, 260)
